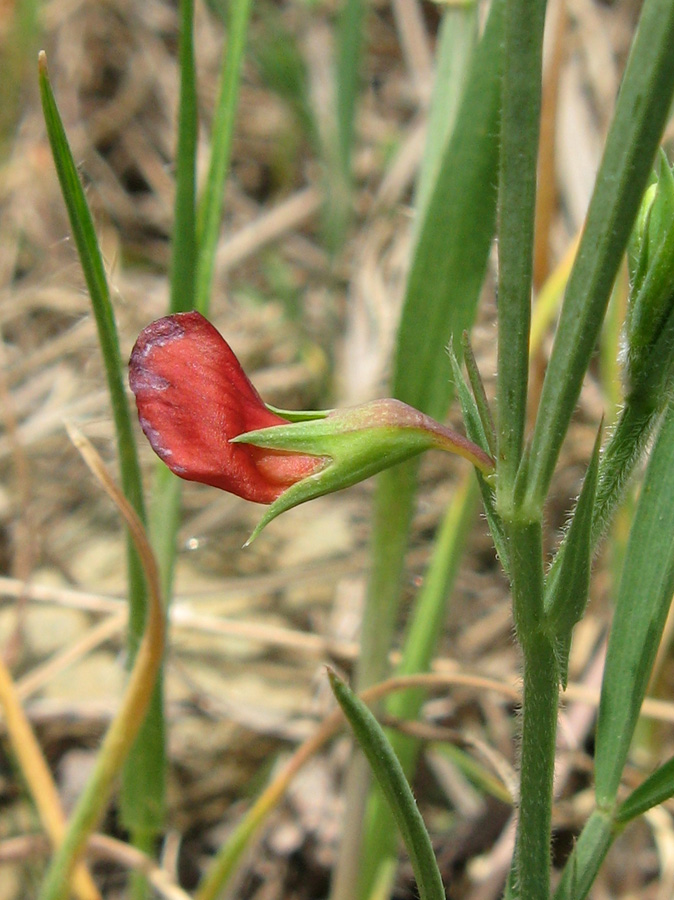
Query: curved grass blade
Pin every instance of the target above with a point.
(457, 37)
(92, 265)
(450, 256)
(124, 727)
(391, 779)
(146, 804)
(380, 839)
(448, 265)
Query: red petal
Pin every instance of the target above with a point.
(192, 397)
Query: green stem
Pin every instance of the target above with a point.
(526, 562)
(539, 712)
(520, 117)
(537, 764)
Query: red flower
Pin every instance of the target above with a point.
(193, 397)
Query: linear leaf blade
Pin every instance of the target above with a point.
(644, 598)
(391, 778)
(641, 112)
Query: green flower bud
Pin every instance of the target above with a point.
(650, 344)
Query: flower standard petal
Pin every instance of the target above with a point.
(193, 397)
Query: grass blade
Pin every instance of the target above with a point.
(391, 779)
(446, 275)
(94, 273)
(144, 776)
(644, 599)
(641, 112)
(380, 843)
(131, 714)
(455, 235)
(184, 244)
(211, 204)
(92, 265)
(457, 37)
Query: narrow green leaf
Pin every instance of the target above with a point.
(447, 270)
(143, 791)
(92, 265)
(590, 851)
(147, 805)
(568, 584)
(440, 301)
(451, 253)
(94, 273)
(391, 778)
(641, 112)
(184, 241)
(211, 203)
(144, 774)
(195, 242)
(424, 630)
(520, 119)
(350, 42)
(644, 599)
(658, 787)
(457, 37)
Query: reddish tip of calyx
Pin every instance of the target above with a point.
(193, 397)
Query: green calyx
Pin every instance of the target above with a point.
(357, 443)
